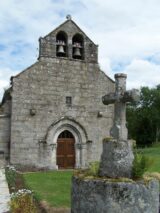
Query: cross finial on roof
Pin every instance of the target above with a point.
(69, 17)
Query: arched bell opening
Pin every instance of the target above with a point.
(78, 47)
(61, 44)
(66, 150)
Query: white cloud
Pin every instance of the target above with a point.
(127, 32)
(143, 72)
(4, 85)
(139, 73)
(5, 75)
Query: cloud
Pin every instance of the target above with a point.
(4, 85)
(5, 75)
(142, 73)
(139, 73)
(127, 32)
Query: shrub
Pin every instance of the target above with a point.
(141, 164)
(10, 172)
(22, 200)
(93, 168)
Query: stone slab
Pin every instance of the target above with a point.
(4, 193)
(102, 196)
(116, 159)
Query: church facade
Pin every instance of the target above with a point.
(52, 116)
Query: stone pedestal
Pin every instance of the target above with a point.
(113, 196)
(116, 159)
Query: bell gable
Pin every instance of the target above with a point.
(70, 42)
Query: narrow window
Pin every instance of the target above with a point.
(69, 101)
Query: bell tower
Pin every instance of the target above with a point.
(68, 41)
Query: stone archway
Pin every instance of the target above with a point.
(79, 134)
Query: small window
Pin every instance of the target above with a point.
(68, 101)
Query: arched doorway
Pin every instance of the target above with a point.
(66, 150)
(80, 137)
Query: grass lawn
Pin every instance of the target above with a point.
(153, 153)
(53, 187)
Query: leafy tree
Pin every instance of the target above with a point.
(143, 118)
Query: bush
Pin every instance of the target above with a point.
(93, 168)
(141, 164)
(11, 173)
(22, 200)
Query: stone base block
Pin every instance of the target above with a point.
(116, 159)
(107, 196)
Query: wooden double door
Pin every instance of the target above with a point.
(66, 150)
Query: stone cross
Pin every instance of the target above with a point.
(117, 155)
(119, 99)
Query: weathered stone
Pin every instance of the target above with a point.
(116, 159)
(117, 156)
(114, 196)
(120, 98)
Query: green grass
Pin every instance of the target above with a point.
(154, 154)
(53, 187)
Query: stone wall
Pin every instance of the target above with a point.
(43, 88)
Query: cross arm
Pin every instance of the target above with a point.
(127, 96)
(131, 96)
(109, 98)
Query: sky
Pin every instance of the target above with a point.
(127, 32)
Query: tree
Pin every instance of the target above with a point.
(143, 118)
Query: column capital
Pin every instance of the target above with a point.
(120, 75)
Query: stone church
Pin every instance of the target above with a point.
(52, 116)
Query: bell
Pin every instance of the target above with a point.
(77, 52)
(60, 49)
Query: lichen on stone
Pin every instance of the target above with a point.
(107, 139)
(83, 174)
